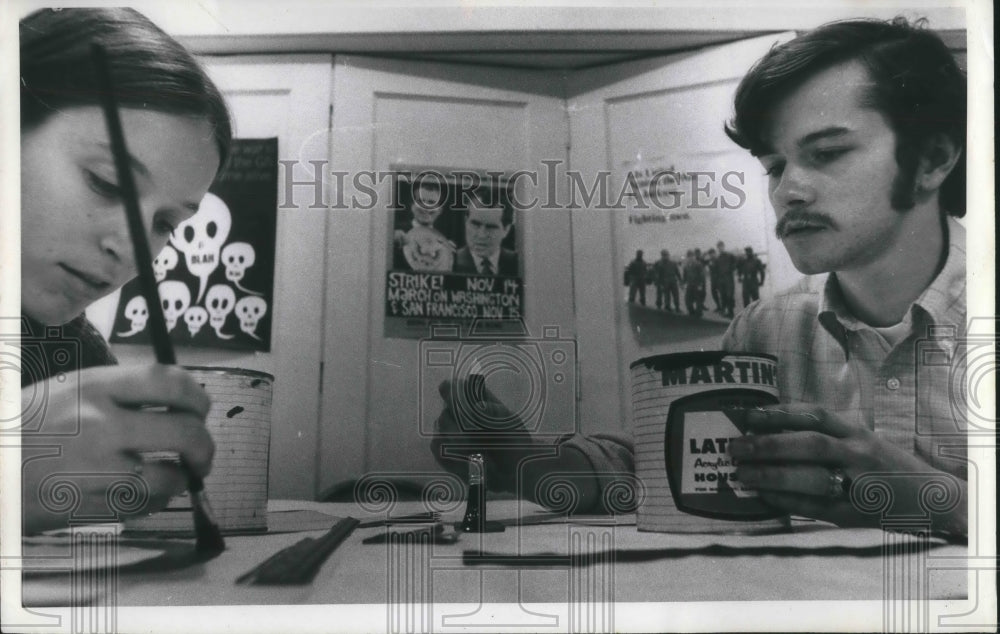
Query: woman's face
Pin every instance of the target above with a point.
(75, 244)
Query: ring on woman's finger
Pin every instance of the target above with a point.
(839, 485)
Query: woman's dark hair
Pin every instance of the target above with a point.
(918, 86)
(149, 68)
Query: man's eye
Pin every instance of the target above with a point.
(774, 170)
(103, 187)
(828, 155)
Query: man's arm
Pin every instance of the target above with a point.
(591, 465)
(517, 462)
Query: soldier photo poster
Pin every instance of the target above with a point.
(695, 247)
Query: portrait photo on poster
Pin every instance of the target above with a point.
(216, 275)
(452, 253)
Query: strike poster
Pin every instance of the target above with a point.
(452, 252)
(216, 275)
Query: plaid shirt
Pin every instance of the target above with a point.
(829, 358)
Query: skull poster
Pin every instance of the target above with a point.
(216, 275)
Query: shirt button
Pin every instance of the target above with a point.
(892, 384)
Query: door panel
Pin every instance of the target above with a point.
(636, 115)
(376, 397)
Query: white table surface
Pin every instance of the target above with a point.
(812, 562)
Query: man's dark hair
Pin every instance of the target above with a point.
(486, 200)
(918, 86)
(424, 183)
(150, 69)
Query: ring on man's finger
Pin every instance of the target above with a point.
(839, 485)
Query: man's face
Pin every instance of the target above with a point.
(484, 230)
(831, 167)
(426, 205)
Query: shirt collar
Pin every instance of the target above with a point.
(942, 302)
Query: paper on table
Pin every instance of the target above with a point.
(54, 553)
(294, 521)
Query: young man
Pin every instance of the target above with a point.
(861, 140)
(860, 126)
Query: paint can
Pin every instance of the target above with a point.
(687, 407)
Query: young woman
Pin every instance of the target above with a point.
(84, 421)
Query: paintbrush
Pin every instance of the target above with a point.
(209, 536)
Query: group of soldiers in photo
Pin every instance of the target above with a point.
(714, 271)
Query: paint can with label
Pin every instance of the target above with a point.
(687, 407)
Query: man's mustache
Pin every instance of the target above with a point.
(814, 218)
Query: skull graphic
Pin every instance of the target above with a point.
(249, 310)
(137, 312)
(166, 261)
(175, 297)
(237, 258)
(220, 301)
(201, 236)
(195, 317)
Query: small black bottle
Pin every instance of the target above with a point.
(475, 510)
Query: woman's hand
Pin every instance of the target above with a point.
(82, 443)
(807, 461)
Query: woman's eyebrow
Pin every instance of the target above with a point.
(141, 168)
(137, 165)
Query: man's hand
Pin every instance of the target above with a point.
(95, 424)
(803, 459)
(475, 421)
